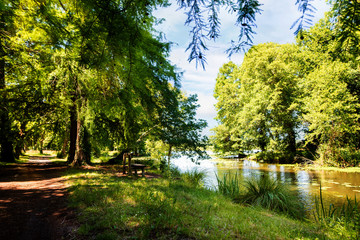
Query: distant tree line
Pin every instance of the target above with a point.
(287, 99)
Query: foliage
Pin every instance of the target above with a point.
(272, 156)
(258, 101)
(284, 93)
(103, 65)
(330, 109)
(178, 131)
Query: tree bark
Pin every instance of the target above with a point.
(19, 147)
(64, 146)
(73, 132)
(79, 153)
(291, 147)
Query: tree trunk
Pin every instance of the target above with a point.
(19, 147)
(41, 148)
(7, 154)
(291, 148)
(73, 132)
(79, 153)
(64, 147)
(169, 155)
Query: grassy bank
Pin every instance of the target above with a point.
(112, 207)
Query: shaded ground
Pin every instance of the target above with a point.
(33, 202)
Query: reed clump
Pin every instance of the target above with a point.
(194, 177)
(272, 194)
(345, 216)
(229, 185)
(264, 192)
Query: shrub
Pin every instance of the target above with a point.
(273, 156)
(339, 157)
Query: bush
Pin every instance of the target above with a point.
(339, 157)
(272, 156)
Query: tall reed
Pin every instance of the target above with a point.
(195, 177)
(348, 214)
(229, 185)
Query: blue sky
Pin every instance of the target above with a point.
(273, 25)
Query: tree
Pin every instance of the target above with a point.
(178, 128)
(258, 102)
(332, 47)
(330, 110)
(6, 141)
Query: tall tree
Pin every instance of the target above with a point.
(178, 128)
(261, 103)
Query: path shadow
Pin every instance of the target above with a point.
(33, 202)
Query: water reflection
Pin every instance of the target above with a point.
(335, 185)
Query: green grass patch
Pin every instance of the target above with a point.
(112, 207)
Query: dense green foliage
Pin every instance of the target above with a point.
(100, 68)
(282, 94)
(82, 76)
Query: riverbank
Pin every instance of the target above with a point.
(113, 206)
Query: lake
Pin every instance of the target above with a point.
(335, 185)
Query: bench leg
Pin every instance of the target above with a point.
(143, 172)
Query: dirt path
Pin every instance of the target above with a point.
(33, 202)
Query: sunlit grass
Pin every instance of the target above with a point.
(113, 207)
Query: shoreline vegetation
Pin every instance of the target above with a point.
(179, 207)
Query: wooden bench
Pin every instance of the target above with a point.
(41, 157)
(136, 166)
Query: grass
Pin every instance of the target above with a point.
(194, 178)
(113, 207)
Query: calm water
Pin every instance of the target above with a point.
(335, 185)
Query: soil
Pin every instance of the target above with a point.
(33, 202)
